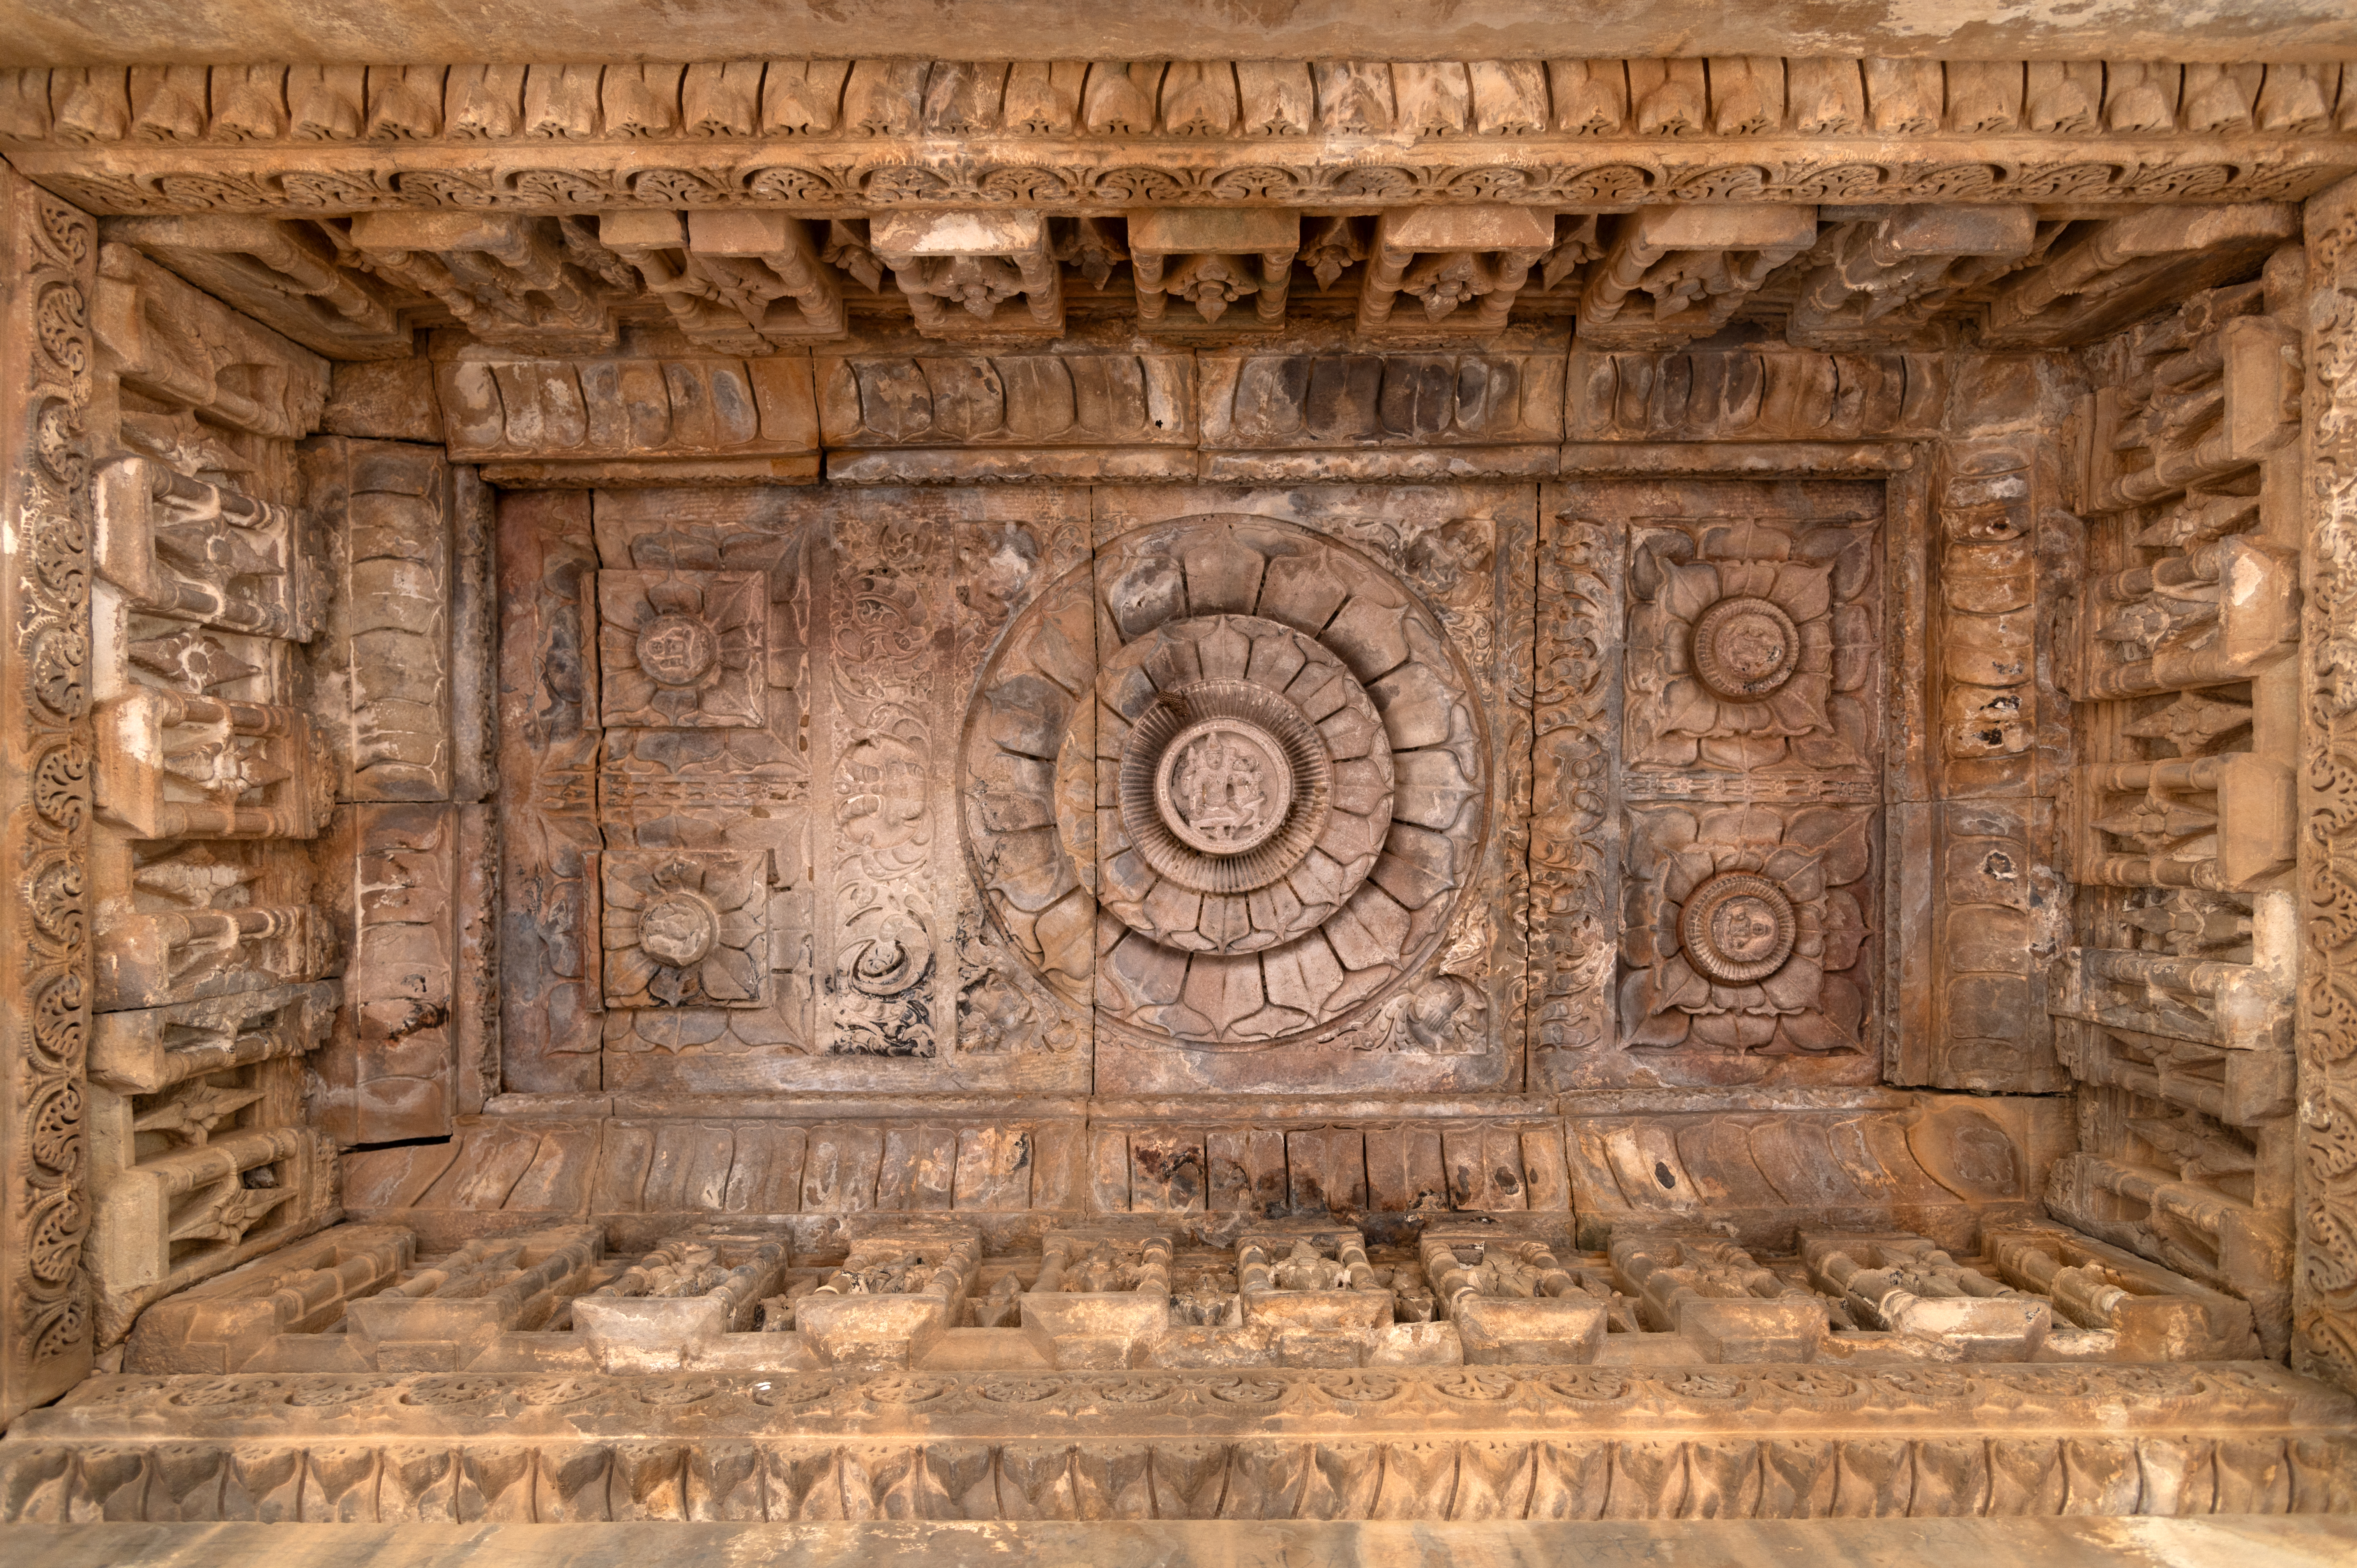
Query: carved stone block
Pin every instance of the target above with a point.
(548, 773)
(194, 1180)
(1693, 265)
(527, 284)
(1936, 1164)
(738, 282)
(1512, 1303)
(1080, 414)
(1099, 1298)
(285, 275)
(233, 1320)
(1751, 394)
(1901, 269)
(653, 416)
(890, 1300)
(153, 959)
(2146, 1311)
(172, 767)
(680, 1302)
(1752, 646)
(385, 668)
(2122, 268)
(198, 552)
(394, 1070)
(1905, 1285)
(1325, 415)
(1211, 260)
(1462, 267)
(1713, 1294)
(1746, 930)
(175, 349)
(150, 1049)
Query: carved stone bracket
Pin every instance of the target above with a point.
(735, 281)
(1692, 265)
(1459, 269)
(959, 269)
(1213, 260)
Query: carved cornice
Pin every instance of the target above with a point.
(851, 137)
(1574, 1441)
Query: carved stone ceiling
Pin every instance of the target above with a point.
(1588, 648)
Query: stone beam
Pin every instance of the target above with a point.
(849, 136)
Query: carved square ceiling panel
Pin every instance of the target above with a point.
(718, 683)
(684, 928)
(682, 650)
(1751, 646)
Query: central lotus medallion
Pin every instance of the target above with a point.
(1225, 783)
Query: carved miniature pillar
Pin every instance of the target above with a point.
(961, 271)
(1463, 266)
(47, 255)
(1212, 258)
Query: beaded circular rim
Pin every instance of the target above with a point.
(1699, 921)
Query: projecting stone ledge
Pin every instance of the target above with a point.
(1574, 1443)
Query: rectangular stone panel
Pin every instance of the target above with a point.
(1939, 1165)
(783, 680)
(1706, 833)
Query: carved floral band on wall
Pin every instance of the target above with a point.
(682, 650)
(685, 928)
(1744, 930)
(1249, 818)
(46, 805)
(1751, 646)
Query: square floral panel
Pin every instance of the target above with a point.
(1752, 646)
(1745, 928)
(682, 650)
(685, 928)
